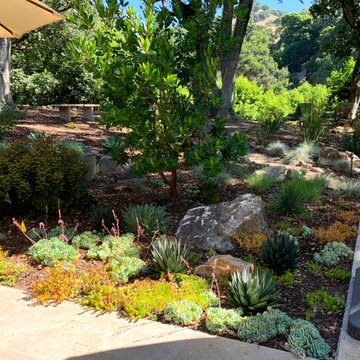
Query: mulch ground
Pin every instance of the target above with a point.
(102, 193)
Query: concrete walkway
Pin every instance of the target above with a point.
(67, 331)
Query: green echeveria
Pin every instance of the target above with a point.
(332, 252)
(219, 320)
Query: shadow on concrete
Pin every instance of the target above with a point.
(196, 349)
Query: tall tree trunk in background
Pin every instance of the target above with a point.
(230, 62)
(5, 68)
(355, 90)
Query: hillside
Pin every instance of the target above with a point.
(265, 15)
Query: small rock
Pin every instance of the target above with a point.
(225, 265)
(261, 149)
(107, 166)
(138, 185)
(275, 172)
(329, 156)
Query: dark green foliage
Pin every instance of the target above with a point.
(150, 217)
(338, 273)
(166, 256)
(9, 117)
(210, 192)
(352, 142)
(35, 136)
(252, 290)
(292, 196)
(41, 174)
(281, 253)
(76, 146)
(115, 148)
(103, 213)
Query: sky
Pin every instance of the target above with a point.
(286, 5)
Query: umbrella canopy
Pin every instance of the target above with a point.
(20, 16)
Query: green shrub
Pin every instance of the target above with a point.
(312, 125)
(51, 251)
(304, 338)
(287, 279)
(150, 219)
(42, 174)
(86, 240)
(3, 145)
(103, 213)
(115, 148)
(332, 252)
(76, 146)
(183, 312)
(167, 255)
(219, 320)
(252, 290)
(260, 182)
(352, 142)
(210, 192)
(263, 327)
(281, 253)
(36, 136)
(9, 117)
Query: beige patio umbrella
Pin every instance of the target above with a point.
(20, 16)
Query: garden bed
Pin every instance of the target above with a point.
(323, 214)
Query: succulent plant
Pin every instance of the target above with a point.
(305, 338)
(166, 256)
(332, 252)
(281, 253)
(219, 320)
(86, 240)
(183, 312)
(263, 327)
(252, 290)
(150, 218)
(125, 267)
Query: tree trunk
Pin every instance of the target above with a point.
(5, 68)
(230, 62)
(355, 90)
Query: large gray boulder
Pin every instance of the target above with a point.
(214, 226)
(275, 172)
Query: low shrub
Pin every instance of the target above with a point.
(42, 174)
(260, 182)
(103, 216)
(168, 256)
(149, 217)
(182, 312)
(210, 192)
(332, 252)
(9, 117)
(352, 141)
(251, 243)
(51, 251)
(338, 273)
(348, 217)
(252, 290)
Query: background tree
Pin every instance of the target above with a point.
(346, 41)
(5, 66)
(158, 80)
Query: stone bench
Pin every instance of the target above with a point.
(65, 114)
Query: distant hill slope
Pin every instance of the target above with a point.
(265, 15)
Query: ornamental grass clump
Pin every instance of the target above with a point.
(281, 253)
(168, 256)
(305, 339)
(183, 312)
(219, 320)
(51, 251)
(277, 148)
(260, 182)
(252, 290)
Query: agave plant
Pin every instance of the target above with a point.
(281, 253)
(252, 290)
(167, 254)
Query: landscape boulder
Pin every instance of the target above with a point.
(224, 265)
(213, 226)
(329, 156)
(275, 172)
(107, 166)
(137, 185)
